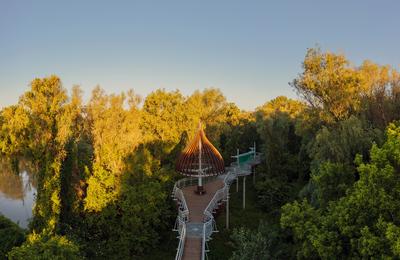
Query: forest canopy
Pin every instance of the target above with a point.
(329, 177)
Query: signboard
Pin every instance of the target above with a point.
(245, 158)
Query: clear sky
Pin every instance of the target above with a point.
(248, 49)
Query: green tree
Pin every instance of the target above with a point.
(267, 242)
(239, 132)
(130, 226)
(211, 108)
(116, 134)
(361, 224)
(14, 124)
(44, 247)
(164, 117)
(332, 153)
(276, 122)
(125, 209)
(11, 235)
(48, 132)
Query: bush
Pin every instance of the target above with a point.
(11, 235)
(43, 246)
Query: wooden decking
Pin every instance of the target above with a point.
(192, 249)
(196, 205)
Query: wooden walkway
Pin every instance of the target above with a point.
(196, 205)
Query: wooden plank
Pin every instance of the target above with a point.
(192, 249)
(196, 205)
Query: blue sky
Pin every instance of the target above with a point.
(248, 49)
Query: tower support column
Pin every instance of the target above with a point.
(200, 189)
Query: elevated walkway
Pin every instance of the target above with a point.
(195, 221)
(194, 227)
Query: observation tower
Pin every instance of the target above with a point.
(200, 159)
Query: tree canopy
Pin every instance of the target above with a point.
(328, 182)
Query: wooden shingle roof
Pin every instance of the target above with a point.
(198, 148)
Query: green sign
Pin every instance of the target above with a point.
(245, 158)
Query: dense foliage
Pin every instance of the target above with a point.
(11, 235)
(43, 246)
(105, 169)
(331, 172)
(329, 178)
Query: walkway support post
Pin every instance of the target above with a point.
(238, 165)
(227, 211)
(253, 169)
(244, 192)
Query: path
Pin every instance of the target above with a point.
(195, 222)
(196, 205)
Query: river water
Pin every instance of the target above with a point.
(17, 195)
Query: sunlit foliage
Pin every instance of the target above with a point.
(105, 168)
(115, 134)
(46, 247)
(329, 84)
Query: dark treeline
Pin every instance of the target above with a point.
(105, 169)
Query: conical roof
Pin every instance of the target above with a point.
(200, 149)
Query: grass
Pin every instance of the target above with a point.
(221, 245)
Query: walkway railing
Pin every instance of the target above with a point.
(183, 214)
(182, 239)
(183, 211)
(221, 195)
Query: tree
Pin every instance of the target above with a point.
(361, 224)
(380, 101)
(14, 123)
(125, 209)
(332, 153)
(267, 242)
(11, 235)
(211, 108)
(78, 160)
(164, 117)
(276, 122)
(131, 225)
(116, 134)
(40, 247)
(239, 131)
(48, 133)
(328, 84)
